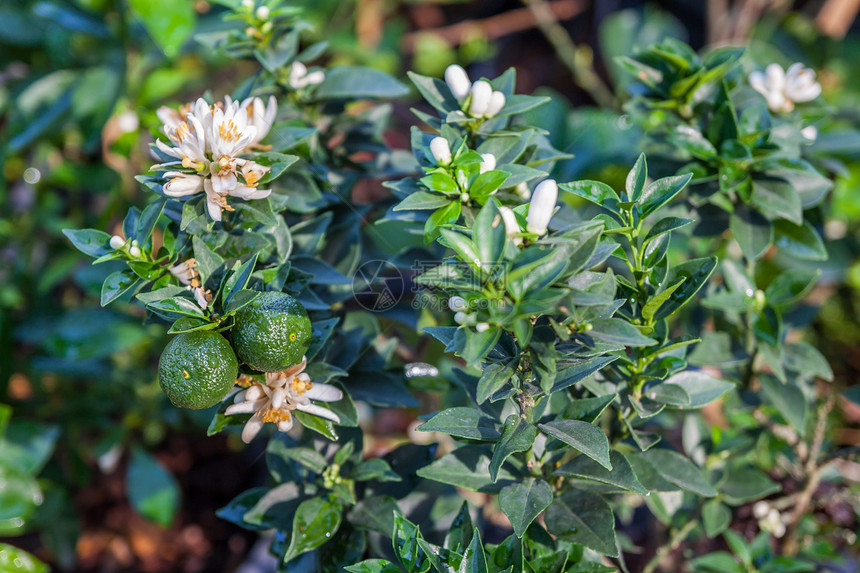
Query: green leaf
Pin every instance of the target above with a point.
(807, 361)
(518, 435)
(716, 517)
(791, 286)
(20, 496)
(701, 388)
(441, 216)
(487, 183)
(655, 302)
(190, 324)
(374, 469)
(375, 513)
(569, 376)
(753, 232)
(488, 233)
(585, 437)
(151, 489)
(356, 82)
(316, 521)
(583, 517)
(208, 261)
(238, 279)
(676, 469)
(523, 502)
(169, 23)
(743, 485)
(617, 331)
(257, 210)
(422, 200)
(474, 559)
(621, 475)
(666, 225)
(177, 305)
(463, 422)
(788, 399)
(717, 562)
(117, 284)
(238, 300)
(148, 219)
(777, 199)
(90, 242)
(373, 566)
(661, 192)
(466, 467)
(14, 560)
(317, 424)
(801, 241)
(594, 192)
(588, 409)
(696, 272)
(307, 457)
(277, 164)
(635, 183)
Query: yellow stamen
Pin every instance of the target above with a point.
(300, 386)
(228, 131)
(276, 416)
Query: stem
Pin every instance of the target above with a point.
(677, 538)
(577, 60)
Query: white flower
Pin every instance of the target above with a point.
(458, 81)
(202, 296)
(782, 89)
(482, 327)
(772, 523)
(497, 102)
(441, 150)
(282, 393)
(457, 303)
(262, 13)
(300, 78)
(116, 242)
(512, 226)
(186, 272)
(488, 163)
(481, 92)
(542, 206)
(207, 140)
(461, 317)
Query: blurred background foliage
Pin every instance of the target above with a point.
(97, 470)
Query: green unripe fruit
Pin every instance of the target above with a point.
(197, 369)
(272, 333)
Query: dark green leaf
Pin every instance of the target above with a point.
(585, 437)
(676, 469)
(462, 422)
(523, 502)
(788, 399)
(583, 517)
(116, 284)
(801, 241)
(316, 520)
(621, 475)
(753, 232)
(152, 491)
(355, 82)
(518, 435)
(91, 242)
(716, 517)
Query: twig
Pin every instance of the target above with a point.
(578, 61)
(813, 479)
(674, 542)
(498, 26)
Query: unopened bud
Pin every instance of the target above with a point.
(134, 252)
(461, 317)
(810, 133)
(512, 226)
(481, 92)
(497, 102)
(464, 197)
(458, 81)
(482, 327)
(457, 303)
(248, 4)
(541, 207)
(441, 150)
(488, 163)
(116, 242)
(314, 78)
(262, 12)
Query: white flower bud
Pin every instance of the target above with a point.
(512, 226)
(315, 78)
(464, 197)
(523, 191)
(497, 102)
(248, 3)
(262, 12)
(810, 133)
(441, 150)
(541, 207)
(458, 81)
(482, 327)
(457, 303)
(481, 93)
(134, 252)
(461, 317)
(760, 509)
(134, 243)
(488, 163)
(116, 242)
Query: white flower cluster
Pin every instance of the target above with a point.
(282, 393)
(783, 88)
(441, 151)
(300, 78)
(462, 314)
(207, 141)
(769, 519)
(483, 100)
(117, 243)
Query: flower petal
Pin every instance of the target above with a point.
(324, 392)
(315, 410)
